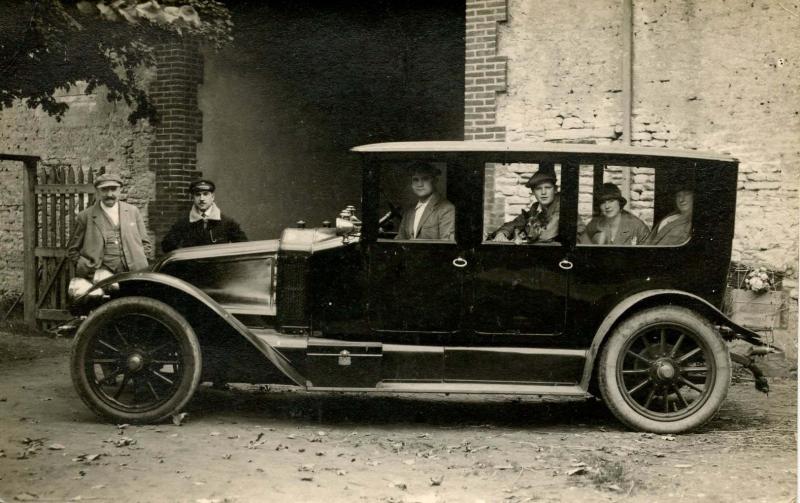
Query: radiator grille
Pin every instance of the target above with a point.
(293, 292)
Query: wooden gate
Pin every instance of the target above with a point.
(52, 198)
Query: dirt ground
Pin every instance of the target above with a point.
(259, 444)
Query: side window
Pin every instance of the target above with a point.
(521, 203)
(413, 204)
(635, 205)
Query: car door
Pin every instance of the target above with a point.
(519, 299)
(416, 286)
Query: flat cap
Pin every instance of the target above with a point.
(107, 180)
(423, 168)
(202, 186)
(545, 174)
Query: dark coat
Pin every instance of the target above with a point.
(86, 245)
(676, 232)
(185, 233)
(438, 221)
(537, 224)
(631, 230)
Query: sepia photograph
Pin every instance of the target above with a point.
(399, 251)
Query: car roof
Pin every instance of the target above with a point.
(531, 147)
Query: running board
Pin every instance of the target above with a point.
(468, 388)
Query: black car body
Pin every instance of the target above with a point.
(351, 308)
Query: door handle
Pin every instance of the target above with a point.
(459, 262)
(565, 264)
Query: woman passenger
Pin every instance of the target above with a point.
(615, 226)
(675, 228)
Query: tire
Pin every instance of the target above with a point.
(135, 360)
(664, 370)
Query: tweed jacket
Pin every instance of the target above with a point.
(185, 233)
(631, 230)
(86, 244)
(675, 232)
(437, 221)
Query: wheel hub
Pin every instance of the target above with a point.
(665, 370)
(135, 362)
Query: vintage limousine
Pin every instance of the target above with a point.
(349, 307)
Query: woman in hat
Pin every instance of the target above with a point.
(675, 228)
(614, 225)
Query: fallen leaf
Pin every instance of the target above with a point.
(125, 425)
(308, 467)
(321, 433)
(56, 447)
(437, 481)
(319, 453)
(26, 497)
(399, 485)
(178, 419)
(577, 471)
(668, 438)
(307, 478)
(341, 473)
(613, 487)
(659, 455)
(214, 434)
(227, 456)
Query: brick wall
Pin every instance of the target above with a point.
(485, 71)
(173, 152)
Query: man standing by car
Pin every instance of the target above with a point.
(433, 216)
(205, 224)
(109, 236)
(540, 223)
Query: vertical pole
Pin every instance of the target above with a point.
(29, 241)
(627, 69)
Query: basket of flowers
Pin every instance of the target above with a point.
(755, 299)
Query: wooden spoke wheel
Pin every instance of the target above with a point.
(135, 360)
(665, 370)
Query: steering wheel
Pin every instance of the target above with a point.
(386, 224)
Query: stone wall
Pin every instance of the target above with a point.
(712, 75)
(94, 134)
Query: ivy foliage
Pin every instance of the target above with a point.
(46, 45)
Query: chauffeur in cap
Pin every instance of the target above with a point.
(540, 223)
(433, 216)
(109, 236)
(205, 224)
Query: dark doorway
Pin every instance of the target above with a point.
(307, 80)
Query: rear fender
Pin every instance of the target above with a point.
(662, 297)
(144, 280)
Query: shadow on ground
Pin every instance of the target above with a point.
(363, 409)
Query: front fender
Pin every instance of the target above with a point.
(662, 296)
(165, 280)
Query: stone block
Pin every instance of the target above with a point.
(572, 123)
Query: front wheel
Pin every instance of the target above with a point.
(664, 370)
(135, 360)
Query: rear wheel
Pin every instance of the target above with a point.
(135, 360)
(664, 370)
